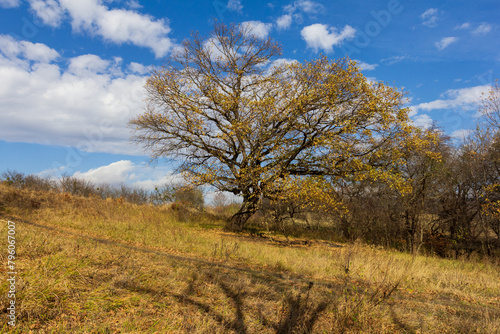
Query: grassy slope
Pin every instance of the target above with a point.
(89, 265)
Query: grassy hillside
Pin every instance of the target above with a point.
(106, 266)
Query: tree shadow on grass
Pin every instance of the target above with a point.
(401, 324)
(290, 303)
(237, 324)
(298, 313)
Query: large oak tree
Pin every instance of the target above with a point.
(247, 122)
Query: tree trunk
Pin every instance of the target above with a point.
(411, 223)
(248, 208)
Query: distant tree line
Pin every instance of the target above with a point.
(184, 194)
(450, 205)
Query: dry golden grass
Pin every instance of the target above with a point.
(99, 266)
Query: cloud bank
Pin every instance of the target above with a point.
(85, 105)
(119, 26)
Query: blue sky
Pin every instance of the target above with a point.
(72, 71)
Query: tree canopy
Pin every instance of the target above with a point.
(245, 121)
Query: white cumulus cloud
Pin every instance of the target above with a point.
(365, 66)
(295, 10)
(321, 36)
(138, 68)
(133, 4)
(86, 105)
(445, 42)
(257, 28)
(87, 64)
(49, 11)
(464, 98)
(461, 133)
(114, 173)
(10, 3)
(483, 29)
(422, 121)
(234, 5)
(306, 6)
(284, 21)
(463, 26)
(131, 174)
(279, 62)
(28, 50)
(115, 25)
(430, 17)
